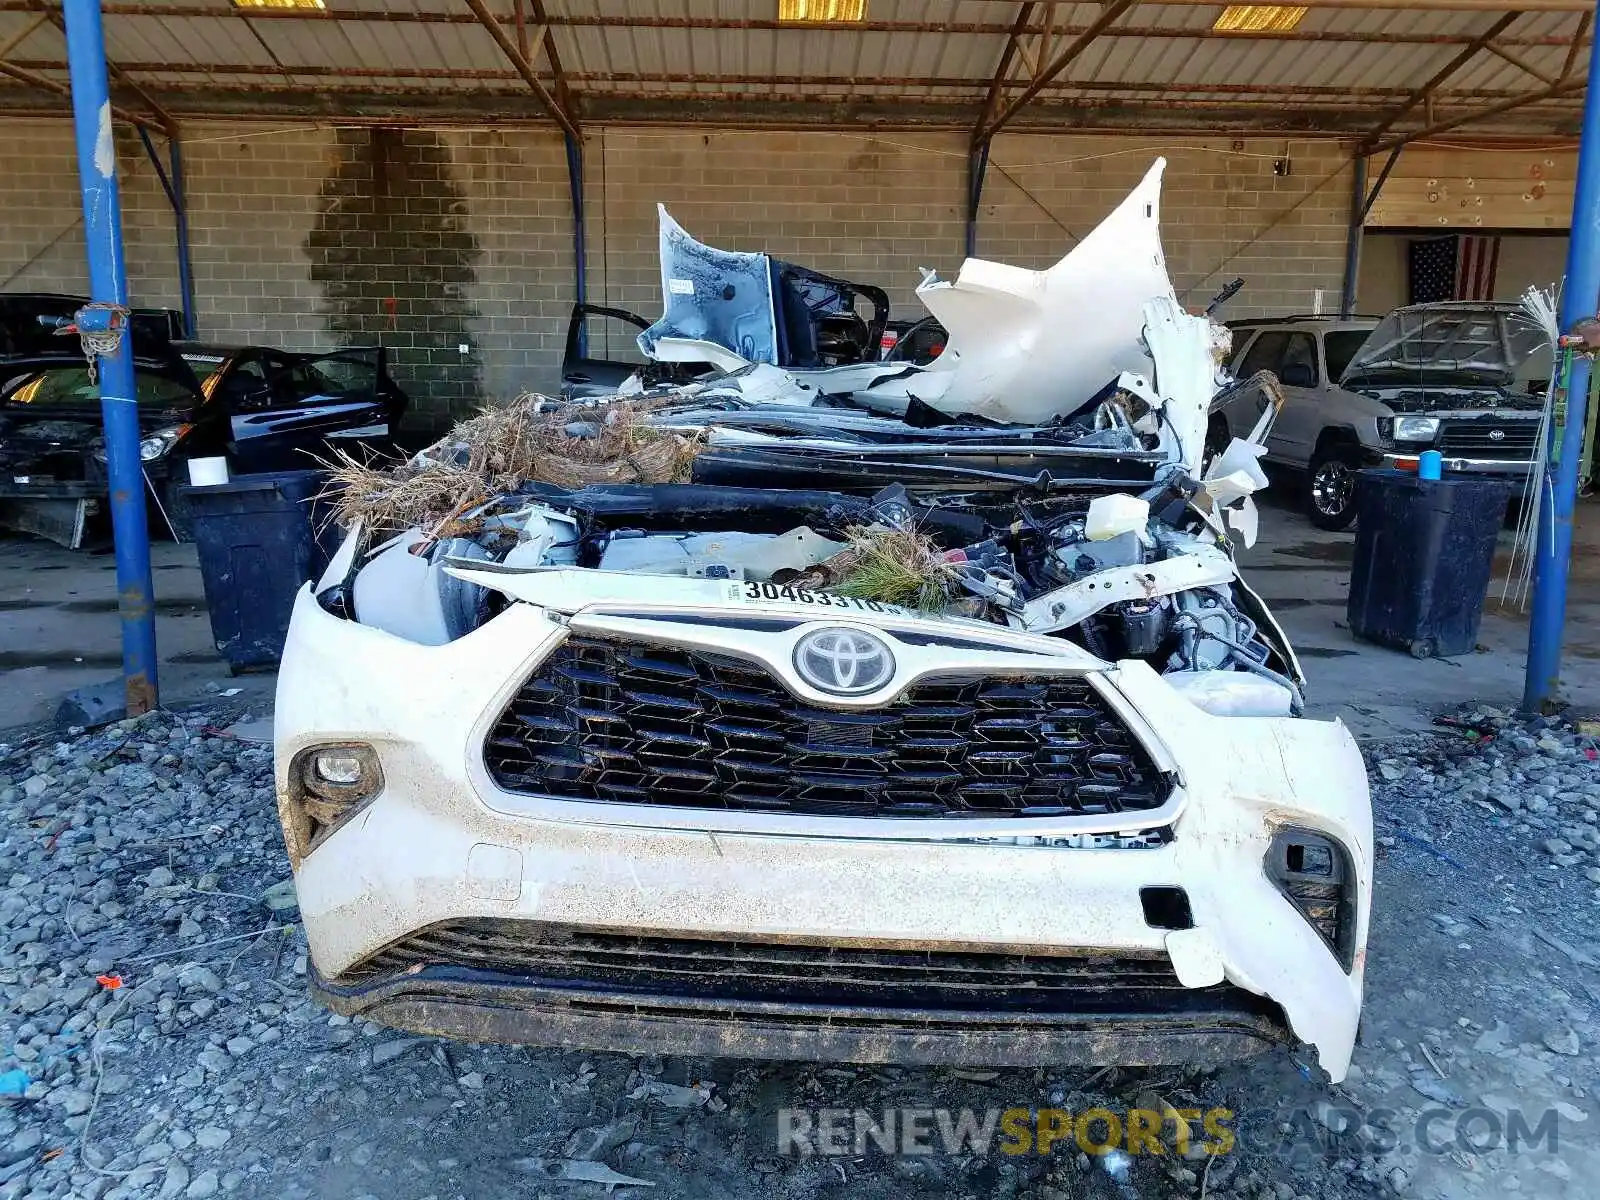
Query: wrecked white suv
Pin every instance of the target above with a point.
(652, 766)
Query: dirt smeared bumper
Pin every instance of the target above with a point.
(479, 1006)
(441, 845)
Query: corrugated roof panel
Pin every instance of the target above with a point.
(952, 58)
(202, 40)
(44, 42)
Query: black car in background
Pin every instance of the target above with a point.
(260, 408)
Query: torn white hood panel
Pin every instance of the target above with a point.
(710, 295)
(1025, 346)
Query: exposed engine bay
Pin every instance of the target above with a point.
(980, 488)
(1142, 576)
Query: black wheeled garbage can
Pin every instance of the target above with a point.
(259, 540)
(1424, 553)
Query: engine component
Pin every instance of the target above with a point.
(1144, 626)
(717, 555)
(1209, 627)
(544, 536)
(1118, 513)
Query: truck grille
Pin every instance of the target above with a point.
(1476, 439)
(632, 723)
(781, 972)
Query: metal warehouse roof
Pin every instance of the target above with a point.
(1379, 68)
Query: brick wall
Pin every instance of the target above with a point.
(1224, 212)
(433, 240)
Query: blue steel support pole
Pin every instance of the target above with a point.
(1559, 488)
(180, 221)
(579, 234)
(108, 285)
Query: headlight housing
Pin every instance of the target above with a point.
(1415, 429)
(160, 443)
(328, 785)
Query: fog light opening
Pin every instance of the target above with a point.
(330, 784)
(1313, 872)
(1166, 908)
(337, 766)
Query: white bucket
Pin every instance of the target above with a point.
(204, 472)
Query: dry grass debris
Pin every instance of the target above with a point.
(893, 566)
(533, 439)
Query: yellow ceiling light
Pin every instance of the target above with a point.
(1259, 18)
(814, 12)
(318, 4)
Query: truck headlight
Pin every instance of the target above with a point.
(1416, 429)
(161, 442)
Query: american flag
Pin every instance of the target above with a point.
(1452, 268)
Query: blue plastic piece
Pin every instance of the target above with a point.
(1430, 465)
(712, 295)
(14, 1083)
(108, 285)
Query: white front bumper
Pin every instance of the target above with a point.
(442, 842)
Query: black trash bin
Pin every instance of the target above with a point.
(1424, 553)
(260, 537)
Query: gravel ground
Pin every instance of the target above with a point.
(158, 1041)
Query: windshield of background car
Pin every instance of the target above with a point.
(1458, 343)
(205, 368)
(71, 387)
(295, 381)
(1340, 347)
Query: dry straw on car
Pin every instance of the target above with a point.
(533, 439)
(894, 566)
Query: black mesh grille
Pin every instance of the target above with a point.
(641, 724)
(785, 972)
(1478, 439)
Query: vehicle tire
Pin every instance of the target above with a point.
(1331, 487)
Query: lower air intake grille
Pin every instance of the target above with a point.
(786, 973)
(632, 723)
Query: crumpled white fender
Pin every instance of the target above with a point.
(1180, 345)
(1023, 345)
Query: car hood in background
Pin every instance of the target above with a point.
(1450, 344)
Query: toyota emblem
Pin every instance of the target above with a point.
(1497, 435)
(843, 662)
